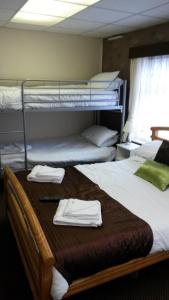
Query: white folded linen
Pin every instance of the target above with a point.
(82, 209)
(78, 213)
(46, 174)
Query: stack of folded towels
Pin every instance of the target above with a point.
(76, 212)
(46, 174)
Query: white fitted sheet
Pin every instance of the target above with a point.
(139, 196)
(10, 97)
(60, 151)
(117, 179)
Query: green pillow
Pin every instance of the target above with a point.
(156, 173)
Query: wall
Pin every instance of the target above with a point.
(116, 53)
(33, 54)
(42, 55)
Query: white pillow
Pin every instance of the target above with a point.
(147, 150)
(21, 148)
(111, 141)
(115, 84)
(105, 79)
(98, 135)
(15, 148)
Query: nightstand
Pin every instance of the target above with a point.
(124, 150)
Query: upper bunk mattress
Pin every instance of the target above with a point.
(50, 97)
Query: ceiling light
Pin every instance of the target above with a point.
(35, 19)
(52, 8)
(83, 2)
(115, 37)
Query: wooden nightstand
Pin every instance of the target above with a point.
(124, 150)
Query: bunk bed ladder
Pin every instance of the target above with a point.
(124, 96)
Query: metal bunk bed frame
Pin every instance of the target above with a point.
(17, 82)
(118, 108)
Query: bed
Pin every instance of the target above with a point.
(103, 181)
(93, 144)
(35, 95)
(104, 91)
(61, 151)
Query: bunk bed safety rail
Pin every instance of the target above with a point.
(65, 95)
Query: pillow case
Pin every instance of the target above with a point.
(148, 150)
(162, 155)
(15, 148)
(156, 173)
(98, 135)
(21, 147)
(111, 141)
(108, 77)
(115, 84)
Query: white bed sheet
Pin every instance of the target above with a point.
(117, 179)
(10, 98)
(65, 150)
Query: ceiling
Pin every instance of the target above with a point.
(103, 19)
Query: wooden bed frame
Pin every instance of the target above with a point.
(156, 132)
(36, 254)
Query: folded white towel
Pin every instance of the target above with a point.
(85, 220)
(82, 209)
(46, 174)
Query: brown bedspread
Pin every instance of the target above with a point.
(78, 251)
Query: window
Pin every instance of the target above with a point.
(149, 96)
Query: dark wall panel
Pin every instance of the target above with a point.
(116, 53)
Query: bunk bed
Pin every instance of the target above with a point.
(43, 245)
(43, 95)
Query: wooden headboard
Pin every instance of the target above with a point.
(157, 131)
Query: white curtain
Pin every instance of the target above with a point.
(149, 96)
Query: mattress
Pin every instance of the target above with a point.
(60, 151)
(50, 97)
(137, 195)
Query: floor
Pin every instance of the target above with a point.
(150, 284)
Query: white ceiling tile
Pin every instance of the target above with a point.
(96, 21)
(6, 14)
(25, 26)
(161, 12)
(139, 21)
(12, 4)
(133, 6)
(78, 24)
(100, 15)
(64, 30)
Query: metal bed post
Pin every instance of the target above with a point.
(24, 124)
(123, 105)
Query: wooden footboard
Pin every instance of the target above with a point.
(36, 254)
(34, 249)
(156, 131)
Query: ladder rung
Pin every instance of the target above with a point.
(12, 131)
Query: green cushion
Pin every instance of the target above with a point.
(156, 173)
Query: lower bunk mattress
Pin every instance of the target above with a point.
(61, 151)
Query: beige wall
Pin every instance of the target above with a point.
(41, 55)
(34, 54)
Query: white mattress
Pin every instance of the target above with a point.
(65, 150)
(137, 195)
(10, 98)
